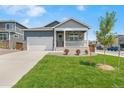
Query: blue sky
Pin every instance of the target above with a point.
(37, 16)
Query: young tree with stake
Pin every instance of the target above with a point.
(104, 35)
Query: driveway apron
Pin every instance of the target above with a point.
(14, 65)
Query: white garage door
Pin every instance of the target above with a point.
(39, 43)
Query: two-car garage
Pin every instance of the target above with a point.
(39, 40)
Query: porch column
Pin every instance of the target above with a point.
(64, 38)
(54, 39)
(9, 40)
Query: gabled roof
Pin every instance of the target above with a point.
(120, 35)
(12, 21)
(73, 20)
(48, 26)
(52, 24)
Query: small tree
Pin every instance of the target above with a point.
(104, 35)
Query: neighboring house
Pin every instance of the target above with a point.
(57, 35)
(94, 42)
(11, 35)
(119, 41)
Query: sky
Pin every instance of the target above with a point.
(38, 16)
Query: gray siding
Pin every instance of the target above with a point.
(38, 34)
(19, 29)
(2, 26)
(71, 24)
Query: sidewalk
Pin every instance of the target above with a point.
(112, 53)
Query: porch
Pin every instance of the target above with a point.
(70, 39)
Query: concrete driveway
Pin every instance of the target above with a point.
(14, 65)
(6, 51)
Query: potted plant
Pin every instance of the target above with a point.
(66, 51)
(78, 52)
(86, 52)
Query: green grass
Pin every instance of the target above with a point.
(73, 72)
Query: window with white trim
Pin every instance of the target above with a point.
(74, 36)
(3, 36)
(9, 26)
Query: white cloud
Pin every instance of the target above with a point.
(64, 18)
(36, 11)
(26, 21)
(12, 10)
(31, 11)
(81, 8)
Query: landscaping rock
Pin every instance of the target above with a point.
(105, 67)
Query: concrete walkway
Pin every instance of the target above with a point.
(14, 65)
(112, 53)
(6, 51)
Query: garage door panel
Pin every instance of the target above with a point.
(39, 43)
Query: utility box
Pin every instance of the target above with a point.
(92, 47)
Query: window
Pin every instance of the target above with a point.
(74, 36)
(3, 36)
(9, 26)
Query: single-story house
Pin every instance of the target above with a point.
(57, 35)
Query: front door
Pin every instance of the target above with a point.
(60, 39)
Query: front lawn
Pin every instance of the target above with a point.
(72, 72)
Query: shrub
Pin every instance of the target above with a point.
(66, 51)
(78, 52)
(86, 51)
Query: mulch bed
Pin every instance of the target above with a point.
(105, 67)
(57, 53)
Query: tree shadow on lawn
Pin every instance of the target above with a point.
(87, 63)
